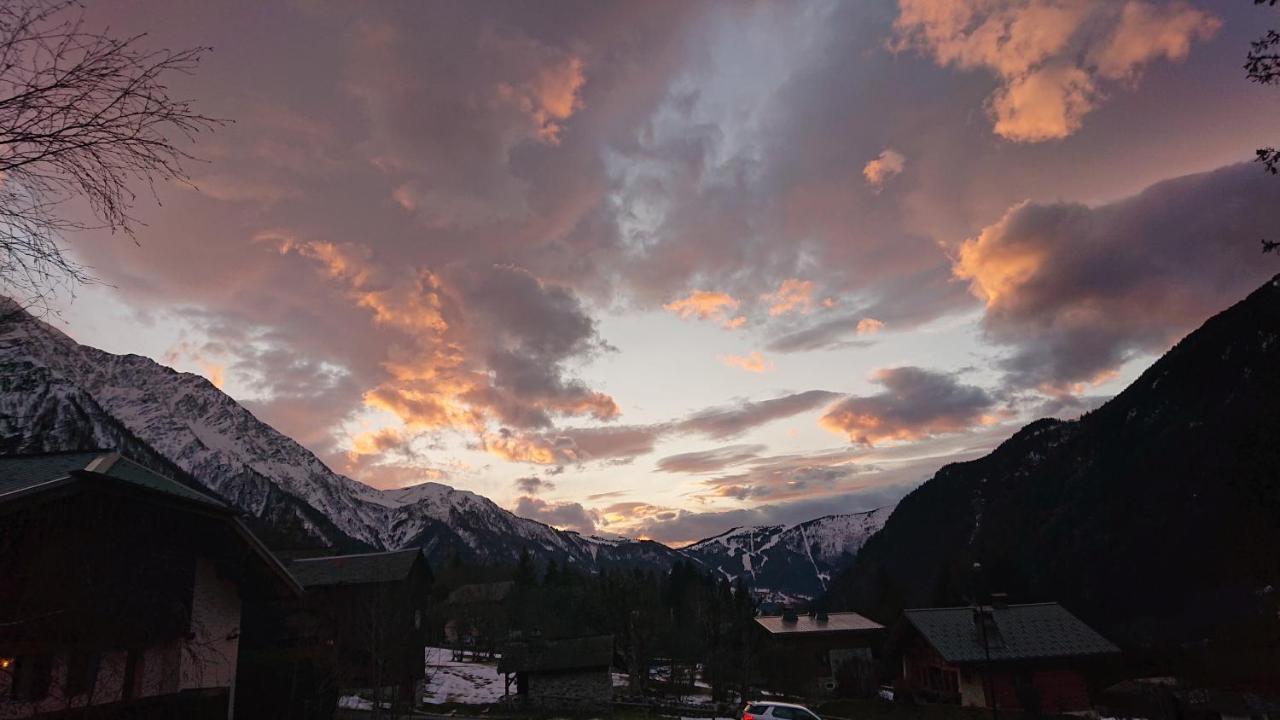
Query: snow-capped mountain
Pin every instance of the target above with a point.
(56, 394)
(789, 561)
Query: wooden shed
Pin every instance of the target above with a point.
(573, 672)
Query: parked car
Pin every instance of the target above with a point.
(770, 710)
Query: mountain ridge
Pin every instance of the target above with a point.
(56, 394)
(1154, 517)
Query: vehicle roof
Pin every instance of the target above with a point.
(777, 703)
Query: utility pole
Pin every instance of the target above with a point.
(987, 685)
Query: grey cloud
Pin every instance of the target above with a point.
(532, 485)
(709, 460)
(1109, 283)
(916, 403)
(567, 515)
(728, 421)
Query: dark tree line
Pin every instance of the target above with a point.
(670, 628)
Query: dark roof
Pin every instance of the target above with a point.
(26, 475)
(481, 593)
(22, 475)
(557, 655)
(834, 622)
(355, 569)
(1014, 632)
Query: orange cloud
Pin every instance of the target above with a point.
(375, 442)
(879, 169)
(869, 326)
(752, 362)
(549, 98)
(707, 305)
(1049, 54)
(1147, 32)
(534, 449)
(995, 268)
(792, 295)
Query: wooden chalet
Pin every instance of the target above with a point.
(567, 673)
(123, 591)
(819, 653)
(376, 607)
(1038, 658)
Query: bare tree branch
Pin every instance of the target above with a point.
(84, 116)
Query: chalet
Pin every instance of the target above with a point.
(1035, 658)
(573, 672)
(123, 590)
(376, 605)
(820, 653)
(477, 617)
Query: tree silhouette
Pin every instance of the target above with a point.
(1262, 65)
(84, 117)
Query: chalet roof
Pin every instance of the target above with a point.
(557, 655)
(26, 475)
(481, 593)
(21, 475)
(1014, 632)
(835, 622)
(355, 569)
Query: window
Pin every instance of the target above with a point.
(82, 670)
(787, 714)
(31, 674)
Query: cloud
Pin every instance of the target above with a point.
(574, 445)
(792, 295)
(564, 515)
(916, 403)
(1050, 55)
(829, 334)
(706, 305)
(532, 485)
(709, 460)
(728, 421)
(868, 326)
(622, 443)
(752, 362)
(1075, 291)
(879, 169)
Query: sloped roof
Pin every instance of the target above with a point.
(354, 569)
(29, 474)
(835, 622)
(1014, 632)
(557, 655)
(21, 475)
(481, 592)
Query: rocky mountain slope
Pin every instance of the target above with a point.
(56, 394)
(789, 561)
(1156, 517)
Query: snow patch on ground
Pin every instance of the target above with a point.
(469, 683)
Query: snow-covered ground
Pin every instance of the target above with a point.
(461, 682)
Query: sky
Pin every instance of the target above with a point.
(663, 268)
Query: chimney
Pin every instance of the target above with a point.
(789, 616)
(822, 617)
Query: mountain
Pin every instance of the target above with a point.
(787, 562)
(56, 394)
(1155, 517)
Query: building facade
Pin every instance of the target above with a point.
(1034, 658)
(124, 590)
